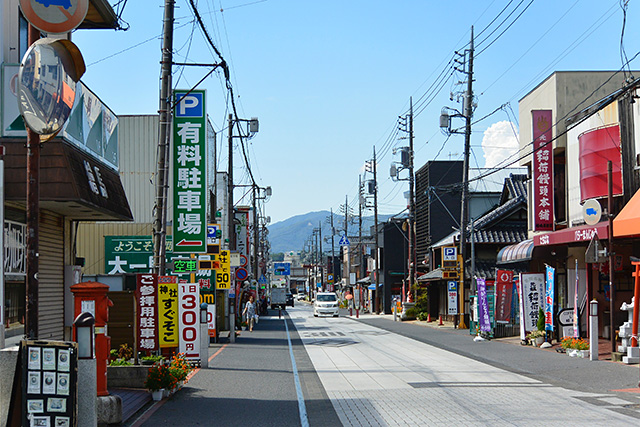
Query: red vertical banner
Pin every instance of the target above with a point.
(147, 305)
(542, 170)
(504, 294)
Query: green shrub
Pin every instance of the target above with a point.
(120, 362)
(422, 303)
(540, 320)
(152, 359)
(411, 313)
(423, 316)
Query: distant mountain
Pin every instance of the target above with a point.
(292, 234)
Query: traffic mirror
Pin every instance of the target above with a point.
(47, 81)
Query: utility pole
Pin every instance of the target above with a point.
(230, 217)
(255, 237)
(164, 112)
(464, 215)
(33, 218)
(412, 210)
(612, 289)
(360, 246)
(333, 255)
(375, 220)
(321, 266)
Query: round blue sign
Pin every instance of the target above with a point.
(241, 273)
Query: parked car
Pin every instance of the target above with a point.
(289, 299)
(300, 296)
(326, 303)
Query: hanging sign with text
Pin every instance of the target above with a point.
(542, 170)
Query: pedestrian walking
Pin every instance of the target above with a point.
(250, 312)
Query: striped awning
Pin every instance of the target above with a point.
(516, 253)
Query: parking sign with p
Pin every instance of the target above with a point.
(190, 104)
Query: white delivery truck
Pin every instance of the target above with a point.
(278, 298)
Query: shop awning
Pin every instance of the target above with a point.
(72, 183)
(516, 253)
(583, 233)
(627, 222)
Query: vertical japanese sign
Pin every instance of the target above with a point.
(147, 303)
(548, 301)
(483, 306)
(189, 172)
(504, 294)
(542, 171)
(242, 243)
(452, 289)
(532, 295)
(168, 311)
(211, 320)
(223, 275)
(189, 302)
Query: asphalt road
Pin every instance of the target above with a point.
(251, 383)
(549, 367)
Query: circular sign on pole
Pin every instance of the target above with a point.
(243, 260)
(55, 16)
(241, 273)
(591, 211)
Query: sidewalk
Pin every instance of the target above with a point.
(546, 365)
(604, 345)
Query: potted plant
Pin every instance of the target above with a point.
(159, 380)
(243, 325)
(536, 337)
(179, 369)
(575, 347)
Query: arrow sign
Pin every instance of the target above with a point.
(185, 243)
(241, 273)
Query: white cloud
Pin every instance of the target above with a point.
(499, 143)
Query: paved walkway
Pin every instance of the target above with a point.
(375, 377)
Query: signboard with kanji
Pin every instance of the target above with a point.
(223, 276)
(189, 306)
(147, 304)
(168, 311)
(542, 170)
(189, 172)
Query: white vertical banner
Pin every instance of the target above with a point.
(211, 320)
(532, 298)
(189, 305)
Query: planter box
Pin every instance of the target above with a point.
(132, 376)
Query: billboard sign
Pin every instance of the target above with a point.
(189, 308)
(189, 173)
(542, 170)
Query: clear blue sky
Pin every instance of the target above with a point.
(328, 79)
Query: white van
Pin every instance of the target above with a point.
(326, 303)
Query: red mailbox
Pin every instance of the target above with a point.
(92, 297)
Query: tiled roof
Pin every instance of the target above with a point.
(500, 212)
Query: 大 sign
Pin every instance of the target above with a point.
(189, 172)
